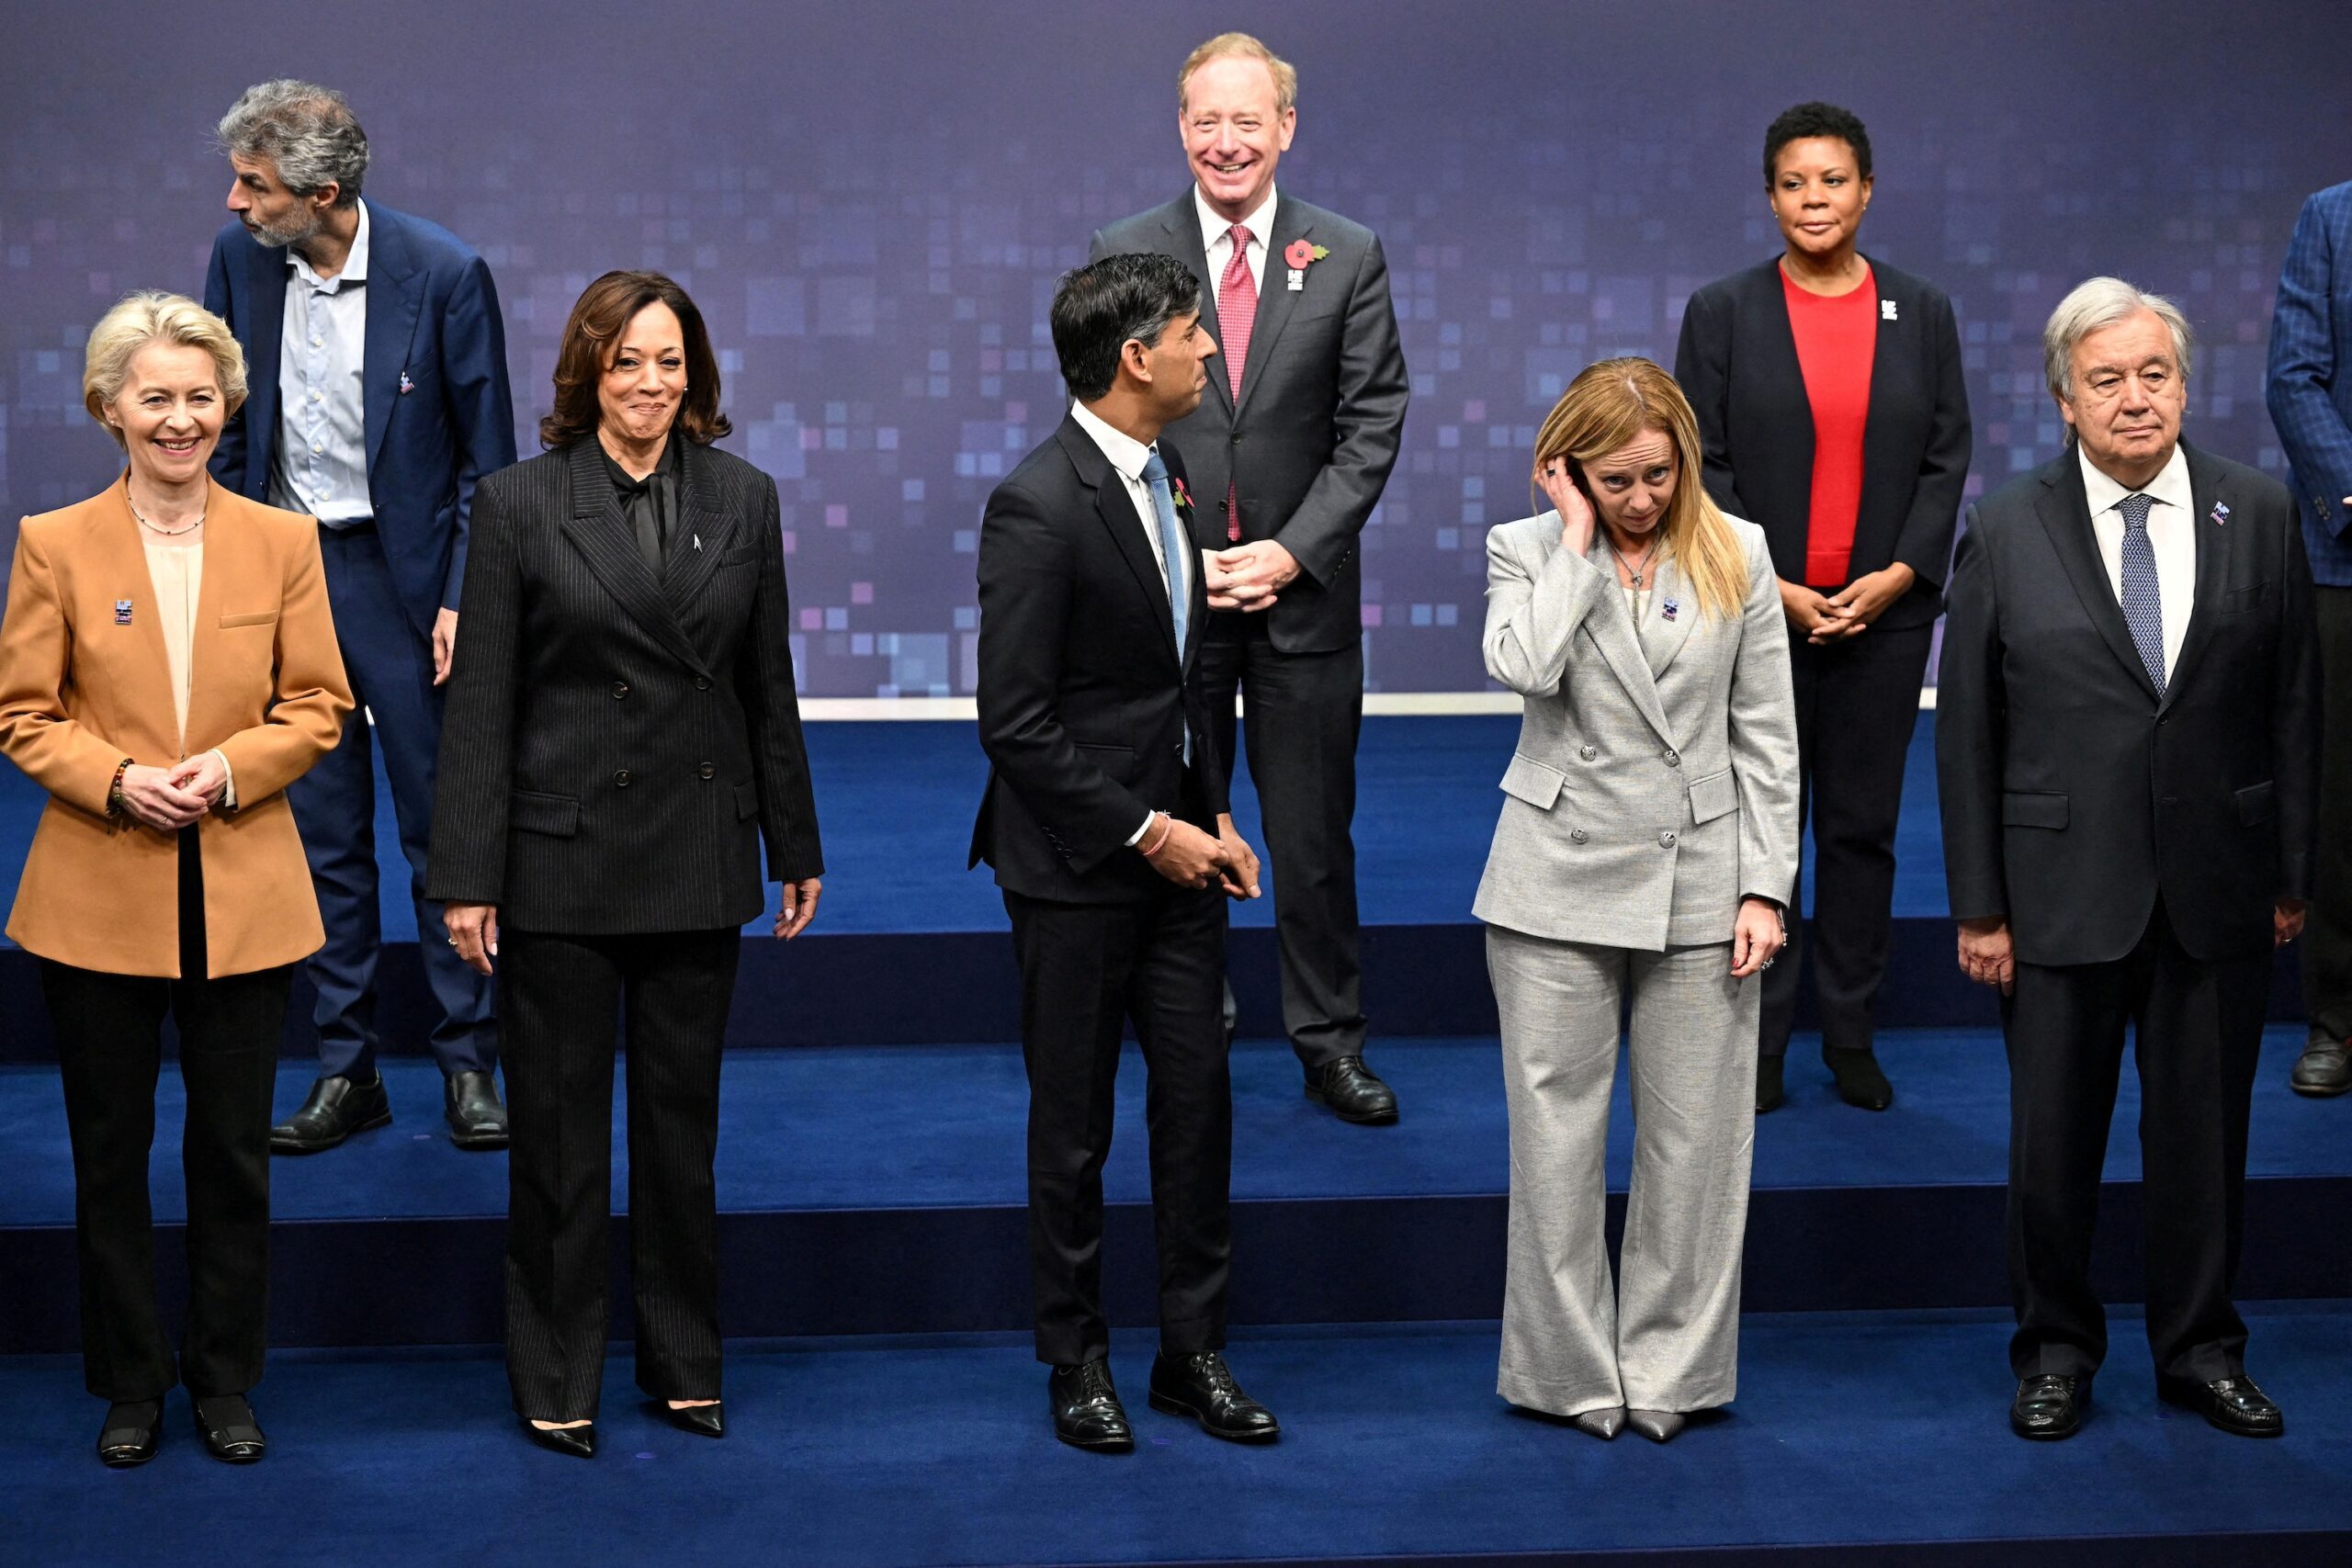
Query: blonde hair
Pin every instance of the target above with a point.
(154, 316)
(1617, 401)
(1242, 46)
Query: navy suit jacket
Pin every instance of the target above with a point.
(439, 412)
(2309, 379)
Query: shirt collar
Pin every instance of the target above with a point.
(1261, 223)
(2170, 486)
(1126, 454)
(355, 265)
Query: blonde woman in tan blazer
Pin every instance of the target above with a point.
(167, 667)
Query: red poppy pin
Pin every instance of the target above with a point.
(1183, 496)
(1300, 254)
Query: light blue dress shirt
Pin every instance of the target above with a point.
(320, 465)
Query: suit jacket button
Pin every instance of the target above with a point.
(1236, 438)
(620, 690)
(1578, 835)
(1673, 758)
(1666, 840)
(1588, 753)
(707, 771)
(620, 780)
(702, 682)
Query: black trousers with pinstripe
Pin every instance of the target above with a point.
(562, 1003)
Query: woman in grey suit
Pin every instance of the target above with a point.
(1648, 846)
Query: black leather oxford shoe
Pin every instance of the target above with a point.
(2323, 1069)
(1199, 1385)
(2049, 1405)
(2234, 1404)
(134, 1431)
(336, 1109)
(1087, 1412)
(477, 1120)
(231, 1433)
(578, 1442)
(1349, 1087)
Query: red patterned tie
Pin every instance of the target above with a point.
(1237, 310)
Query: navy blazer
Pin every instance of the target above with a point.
(2072, 794)
(439, 412)
(1737, 363)
(2308, 389)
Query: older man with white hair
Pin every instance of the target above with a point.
(378, 360)
(2128, 748)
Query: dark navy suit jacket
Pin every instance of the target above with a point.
(439, 412)
(2310, 380)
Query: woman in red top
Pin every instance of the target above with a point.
(1829, 397)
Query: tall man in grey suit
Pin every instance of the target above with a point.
(1288, 454)
(2127, 744)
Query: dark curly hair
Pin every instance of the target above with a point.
(1817, 120)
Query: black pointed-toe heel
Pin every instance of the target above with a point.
(231, 1433)
(702, 1420)
(134, 1431)
(580, 1442)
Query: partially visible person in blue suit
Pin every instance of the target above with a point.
(2309, 393)
(379, 399)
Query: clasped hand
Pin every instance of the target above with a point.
(1189, 857)
(168, 799)
(1249, 577)
(1834, 617)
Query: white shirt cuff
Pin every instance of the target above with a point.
(1137, 838)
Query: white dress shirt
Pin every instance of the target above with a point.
(321, 466)
(2172, 534)
(1216, 233)
(1127, 457)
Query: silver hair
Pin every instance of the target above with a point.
(307, 130)
(2102, 302)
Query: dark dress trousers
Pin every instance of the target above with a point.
(1086, 705)
(2135, 845)
(1307, 450)
(621, 736)
(1857, 700)
(438, 416)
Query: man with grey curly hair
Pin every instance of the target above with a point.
(379, 397)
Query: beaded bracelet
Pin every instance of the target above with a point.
(114, 790)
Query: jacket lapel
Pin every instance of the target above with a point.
(123, 555)
(228, 564)
(1612, 630)
(1182, 221)
(1118, 516)
(1662, 638)
(395, 296)
(1276, 298)
(600, 534)
(266, 305)
(701, 535)
(1783, 369)
(2205, 490)
(2065, 515)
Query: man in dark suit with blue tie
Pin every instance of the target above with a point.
(2127, 751)
(377, 363)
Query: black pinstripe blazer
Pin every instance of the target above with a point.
(614, 748)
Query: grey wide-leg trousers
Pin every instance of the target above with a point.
(1668, 1337)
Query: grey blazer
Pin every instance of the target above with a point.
(1655, 783)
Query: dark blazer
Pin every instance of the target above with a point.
(614, 748)
(1322, 408)
(2072, 796)
(439, 413)
(2307, 386)
(1084, 698)
(1738, 362)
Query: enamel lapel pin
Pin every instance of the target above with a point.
(2221, 513)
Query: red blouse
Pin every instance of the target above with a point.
(1836, 337)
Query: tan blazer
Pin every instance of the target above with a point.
(81, 690)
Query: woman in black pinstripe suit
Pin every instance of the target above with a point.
(621, 734)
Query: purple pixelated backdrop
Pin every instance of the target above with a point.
(871, 202)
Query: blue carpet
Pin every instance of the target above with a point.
(800, 1131)
(896, 803)
(1868, 1432)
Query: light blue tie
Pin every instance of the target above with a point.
(2142, 605)
(1172, 543)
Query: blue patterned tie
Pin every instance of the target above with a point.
(1172, 544)
(2142, 606)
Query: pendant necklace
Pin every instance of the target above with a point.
(1634, 573)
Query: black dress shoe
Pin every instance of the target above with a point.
(1199, 1385)
(335, 1109)
(2234, 1404)
(1349, 1087)
(229, 1432)
(2323, 1069)
(579, 1442)
(134, 1431)
(1769, 1093)
(2049, 1405)
(1860, 1084)
(1087, 1412)
(476, 1119)
(702, 1420)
